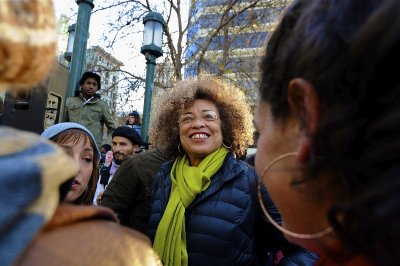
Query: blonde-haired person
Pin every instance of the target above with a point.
(35, 229)
(204, 204)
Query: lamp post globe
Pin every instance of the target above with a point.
(151, 49)
(71, 39)
(152, 34)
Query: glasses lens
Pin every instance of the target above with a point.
(186, 119)
(208, 116)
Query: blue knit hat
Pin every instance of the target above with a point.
(30, 188)
(56, 129)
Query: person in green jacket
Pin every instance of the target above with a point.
(89, 110)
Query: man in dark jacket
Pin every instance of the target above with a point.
(88, 110)
(125, 142)
(129, 192)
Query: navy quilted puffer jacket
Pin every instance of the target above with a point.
(224, 222)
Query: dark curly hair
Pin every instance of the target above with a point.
(235, 114)
(348, 51)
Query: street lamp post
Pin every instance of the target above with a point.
(152, 49)
(80, 43)
(70, 46)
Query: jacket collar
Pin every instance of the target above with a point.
(91, 100)
(229, 170)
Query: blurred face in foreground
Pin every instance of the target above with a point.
(302, 211)
(277, 137)
(83, 154)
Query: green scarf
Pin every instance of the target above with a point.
(187, 183)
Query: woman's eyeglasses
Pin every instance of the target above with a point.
(206, 116)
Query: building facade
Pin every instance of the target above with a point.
(227, 38)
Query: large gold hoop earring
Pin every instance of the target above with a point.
(278, 226)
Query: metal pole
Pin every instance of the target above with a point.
(148, 93)
(79, 52)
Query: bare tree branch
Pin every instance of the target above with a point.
(184, 47)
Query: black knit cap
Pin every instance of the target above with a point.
(129, 133)
(89, 74)
(135, 114)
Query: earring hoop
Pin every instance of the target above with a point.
(179, 148)
(228, 147)
(278, 226)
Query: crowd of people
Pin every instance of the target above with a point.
(320, 190)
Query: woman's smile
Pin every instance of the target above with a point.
(199, 136)
(200, 130)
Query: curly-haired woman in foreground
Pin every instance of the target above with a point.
(204, 210)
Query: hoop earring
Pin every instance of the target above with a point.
(179, 148)
(278, 226)
(228, 147)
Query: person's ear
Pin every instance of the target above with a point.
(304, 104)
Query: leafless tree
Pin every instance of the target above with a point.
(218, 39)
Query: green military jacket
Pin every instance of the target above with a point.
(93, 115)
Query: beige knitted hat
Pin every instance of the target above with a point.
(27, 42)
